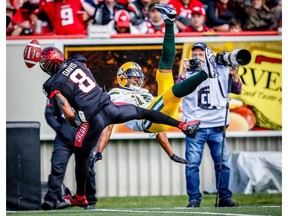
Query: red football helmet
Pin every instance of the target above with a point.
(50, 60)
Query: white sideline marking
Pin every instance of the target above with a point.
(270, 206)
(171, 212)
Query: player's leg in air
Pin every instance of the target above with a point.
(170, 94)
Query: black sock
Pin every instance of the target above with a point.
(160, 118)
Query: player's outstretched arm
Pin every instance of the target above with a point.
(104, 138)
(66, 108)
(102, 142)
(164, 142)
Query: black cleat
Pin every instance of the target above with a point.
(190, 128)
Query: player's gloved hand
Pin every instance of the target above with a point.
(95, 158)
(178, 159)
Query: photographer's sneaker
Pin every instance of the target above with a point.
(190, 128)
(210, 64)
(166, 11)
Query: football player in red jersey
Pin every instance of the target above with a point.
(72, 84)
(66, 16)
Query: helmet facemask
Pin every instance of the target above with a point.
(49, 67)
(135, 78)
(51, 59)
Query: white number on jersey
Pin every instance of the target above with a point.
(86, 84)
(66, 16)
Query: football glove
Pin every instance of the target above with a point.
(178, 159)
(96, 157)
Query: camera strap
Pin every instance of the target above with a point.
(221, 89)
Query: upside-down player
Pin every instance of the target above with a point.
(131, 79)
(72, 84)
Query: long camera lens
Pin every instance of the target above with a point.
(238, 57)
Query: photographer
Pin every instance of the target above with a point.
(208, 103)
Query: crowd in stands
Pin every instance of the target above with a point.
(72, 17)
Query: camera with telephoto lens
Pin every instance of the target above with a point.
(194, 63)
(236, 57)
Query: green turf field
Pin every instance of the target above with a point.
(255, 204)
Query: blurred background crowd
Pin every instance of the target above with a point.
(74, 17)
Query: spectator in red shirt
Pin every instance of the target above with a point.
(121, 23)
(184, 11)
(10, 11)
(19, 22)
(67, 17)
(198, 21)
